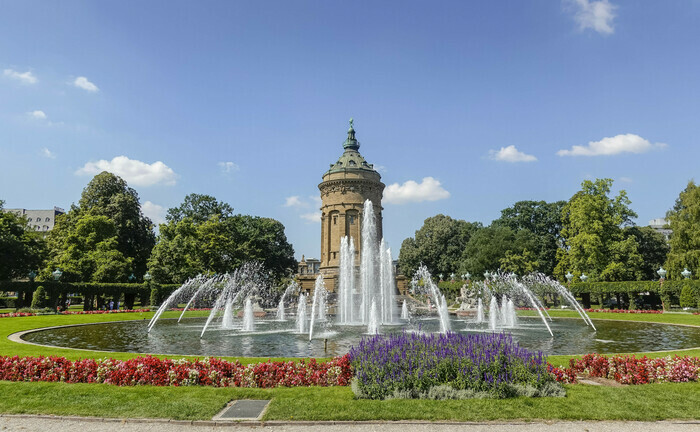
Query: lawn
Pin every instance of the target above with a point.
(644, 402)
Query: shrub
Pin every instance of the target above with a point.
(689, 297)
(450, 366)
(39, 299)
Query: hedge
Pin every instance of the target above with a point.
(94, 294)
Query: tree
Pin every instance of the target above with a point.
(499, 247)
(438, 244)
(543, 221)
(593, 236)
(199, 208)
(21, 248)
(653, 248)
(684, 220)
(220, 243)
(86, 249)
(109, 195)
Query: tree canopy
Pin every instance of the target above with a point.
(543, 221)
(438, 244)
(594, 240)
(684, 220)
(21, 249)
(199, 208)
(106, 235)
(190, 244)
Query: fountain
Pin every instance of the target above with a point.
(376, 277)
(248, 319)
(404, 311)
(318, 304)
(301, 314)
(292, 288)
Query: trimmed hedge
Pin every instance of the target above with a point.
(94, 294)
(670, 291)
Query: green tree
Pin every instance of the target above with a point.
(438, 244)
(21, 248)
(543, 220)
(199, 208)
(684, 220)
(86, 249)
(109, 195)
(218, 244)
(499, 247)
(653, 248)
(594, 240)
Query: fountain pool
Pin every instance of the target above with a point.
(272, 338)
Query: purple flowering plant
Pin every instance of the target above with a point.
(413, 363)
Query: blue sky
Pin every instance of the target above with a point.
(466, 106)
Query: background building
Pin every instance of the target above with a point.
(39, 220)
(661, 226)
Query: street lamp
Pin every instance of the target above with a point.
(487, 275)
(662, 273)
(452, 277)
(467, 276)
(31, 275)
(440, 276)
(583, 277)
(57, 274)
(147, 277)
(569, 277)
(132, 278)
(686, 273)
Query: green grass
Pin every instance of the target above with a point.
(645, 402)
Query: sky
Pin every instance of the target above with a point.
(465, 107)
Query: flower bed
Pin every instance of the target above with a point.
(451, 365)
(165, 372)
(629, 369)
(627, 311)
(94, 312)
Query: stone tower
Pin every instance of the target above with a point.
(345, 187)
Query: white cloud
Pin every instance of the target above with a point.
(626, 180)
(135, 172)
(316, 200)
(627, 143)
(228, 167)
(37, 114)
(511, 154)
(294, 201)
(595, 15)
(83, 83)
(24, 77)
(154, 212)
(314, 217)
(45, 152)
(428, 190)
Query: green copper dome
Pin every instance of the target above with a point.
(351, 158)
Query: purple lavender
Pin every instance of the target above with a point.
(414, 363)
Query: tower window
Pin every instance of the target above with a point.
(335, 220)
(352, 219)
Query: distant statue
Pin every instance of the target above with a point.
(351, 121)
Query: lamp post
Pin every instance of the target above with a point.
(662, 275)
(487, 275)
(440, 276)
(452, 277)
(686, 273)
(57, 277)
(585, 297)
(147, 277)
(569, 277)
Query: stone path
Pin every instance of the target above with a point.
(73, 424)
